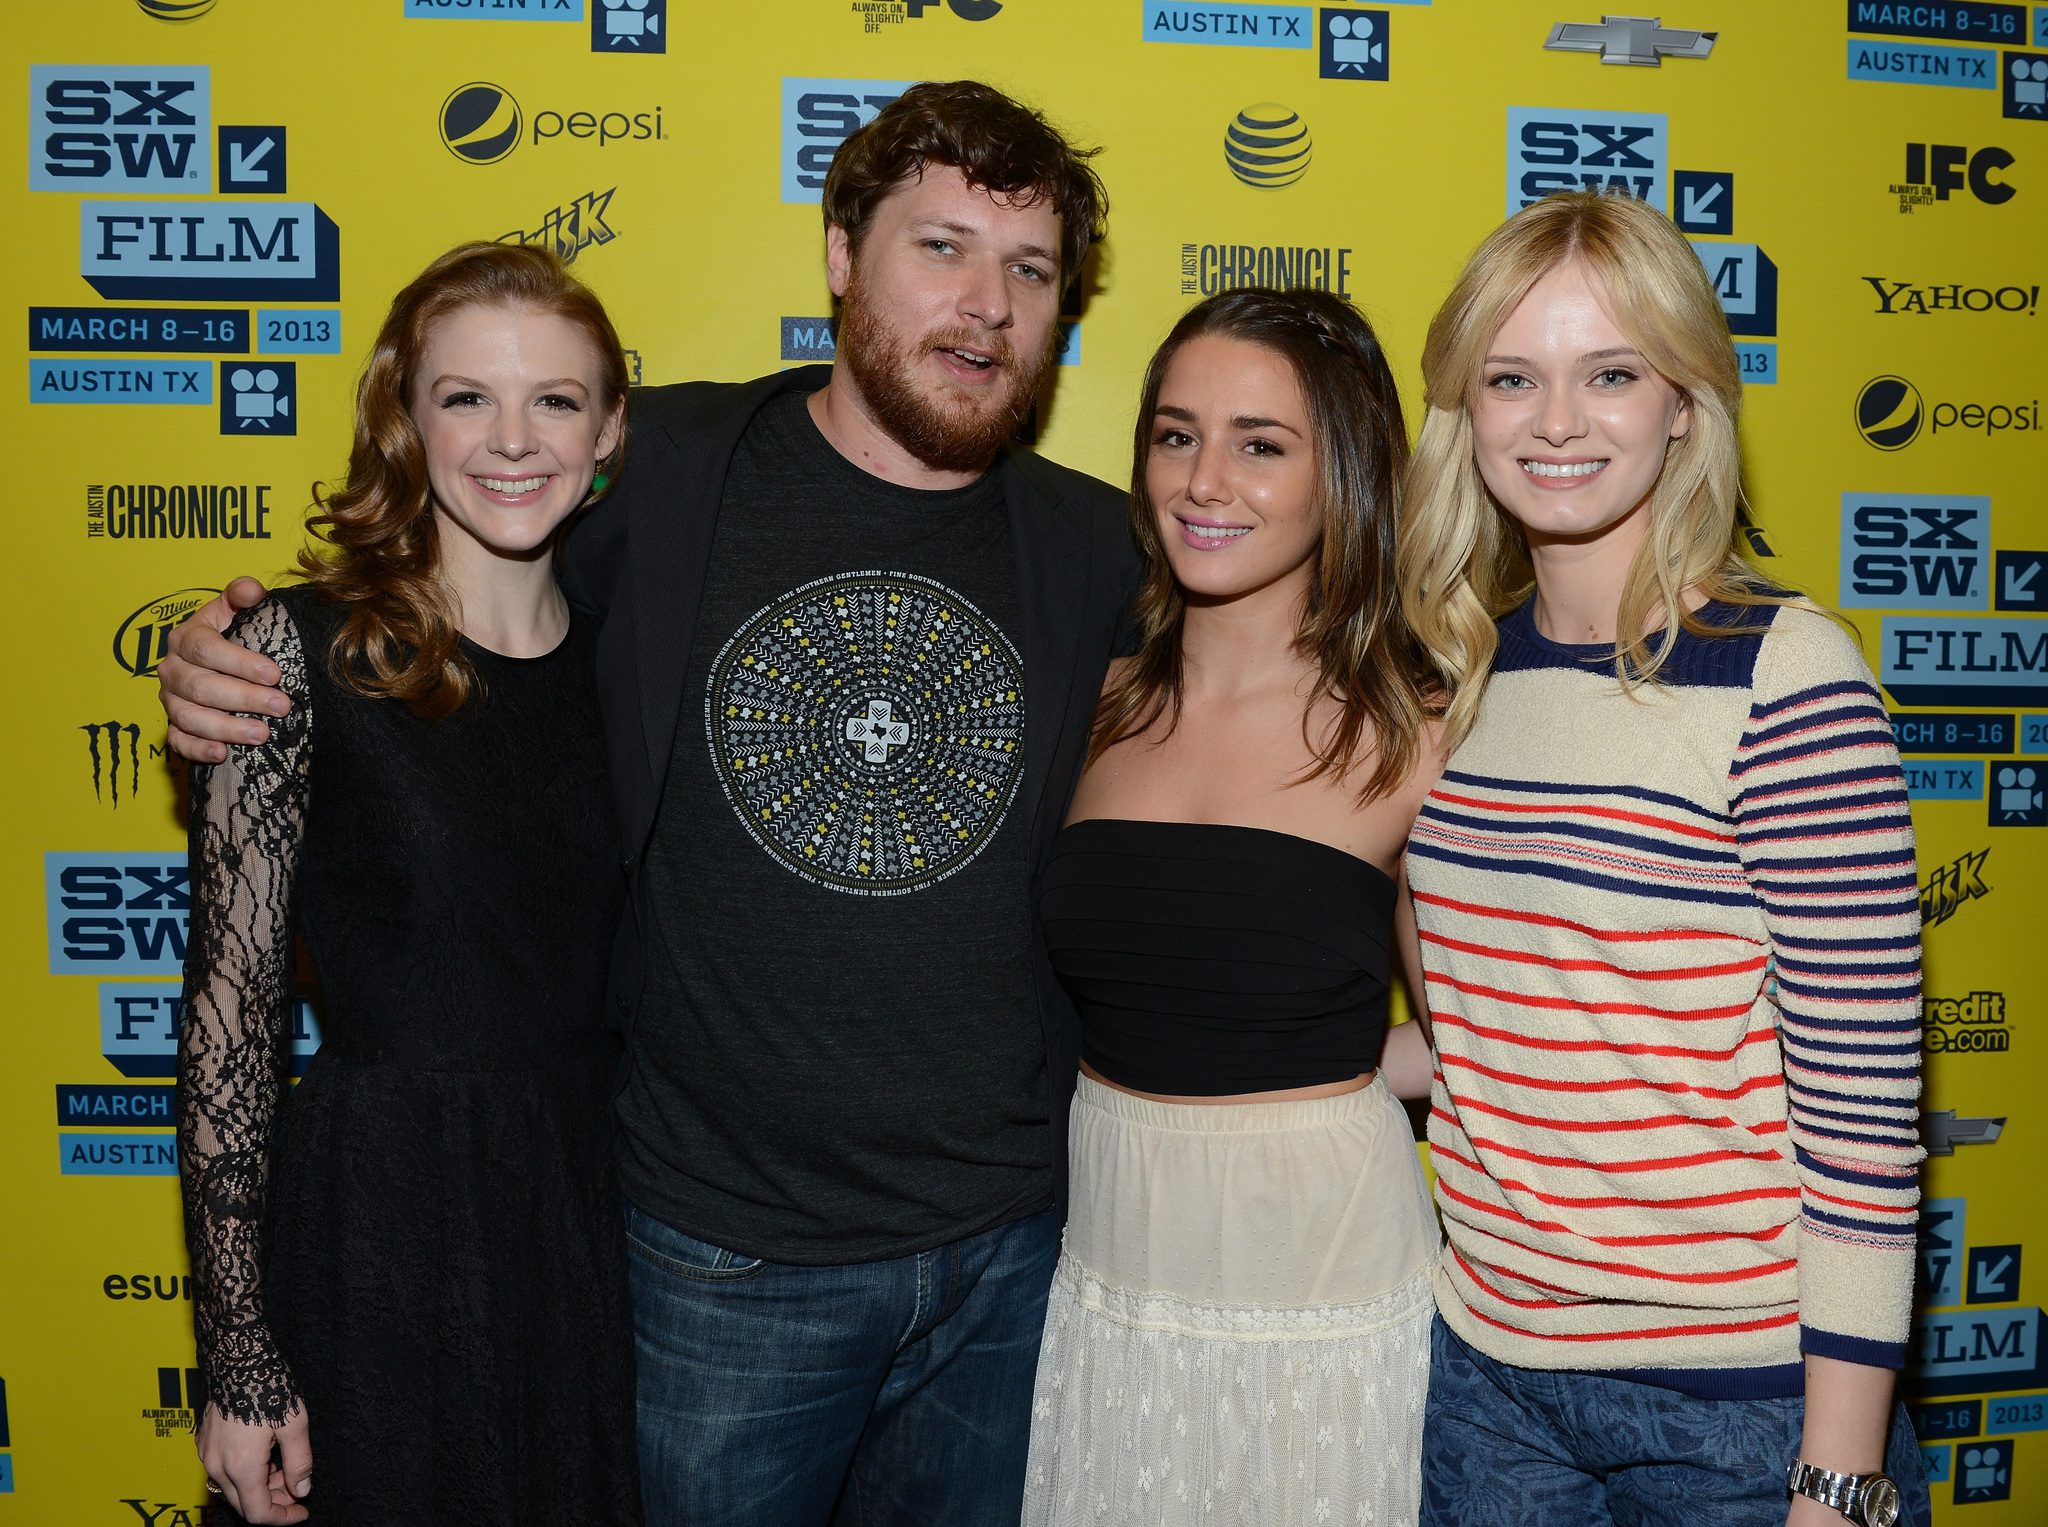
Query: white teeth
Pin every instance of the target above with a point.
(1219, 532)
(511, 484)
(972, 359)
(1557, 469)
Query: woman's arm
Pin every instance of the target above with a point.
(1826, 839)
(247, 821)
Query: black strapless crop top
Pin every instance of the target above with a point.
(1208, 960)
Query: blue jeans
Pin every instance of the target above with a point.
(894, 1392)
(1506, 1447)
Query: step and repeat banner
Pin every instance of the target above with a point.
(213, 200)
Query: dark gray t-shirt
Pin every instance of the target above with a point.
(838, 1055)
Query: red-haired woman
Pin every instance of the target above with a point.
(411, 1266)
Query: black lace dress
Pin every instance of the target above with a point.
(421, 1242)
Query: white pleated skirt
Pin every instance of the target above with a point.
(1238, 1330)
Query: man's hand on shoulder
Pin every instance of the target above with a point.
(205, 679)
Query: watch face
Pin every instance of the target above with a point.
(1880, 1502)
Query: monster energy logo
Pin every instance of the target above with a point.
(113, 736)
(572, 229)
(1951, 885)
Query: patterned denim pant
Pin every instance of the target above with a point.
(1511, 1447)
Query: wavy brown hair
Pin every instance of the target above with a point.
(1351, 627)
(380, 550)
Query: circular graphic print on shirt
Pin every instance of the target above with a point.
(868, 729)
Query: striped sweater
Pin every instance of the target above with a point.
(1672, 950)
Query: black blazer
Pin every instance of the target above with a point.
(638, 559)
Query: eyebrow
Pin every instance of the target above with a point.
(969, 231)
(1591, 355)
(1238, 421)
(470, 381)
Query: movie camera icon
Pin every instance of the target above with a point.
(259, 400)
(1354, 45)
(626, 23)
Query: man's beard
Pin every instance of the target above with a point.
(954, 431)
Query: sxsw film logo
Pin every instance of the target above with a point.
(2019, 796)
(629, 26)
(1563, 149)
(1984, 1471)
(1928, 551)
(1706, 201)
(570, 229)
(209, 251)
(817, 116)
(1353, 45)
(116, 914)
(140, 1022)
(96, 127)
(252, 161)
(1972, 1025)
(259, 400)
(1746, 281)
(2025, 78)
(1935, 170)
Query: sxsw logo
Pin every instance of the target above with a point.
(116, 913)
(140, 1021)
(817, 116)
(1746, 281)
(142, 128)
(209, 250)
(1927, 551)
(1558, 149)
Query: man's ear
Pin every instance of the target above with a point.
(838, 259)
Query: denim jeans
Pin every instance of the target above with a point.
(1507, 1447)
(867, 1395)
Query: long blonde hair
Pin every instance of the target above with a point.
(1463, 560)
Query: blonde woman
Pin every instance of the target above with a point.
(1666, 906)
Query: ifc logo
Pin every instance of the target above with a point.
(1889, 412)
(480, 123)
(175, 10)
(1267, 146)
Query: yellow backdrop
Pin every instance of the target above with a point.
(215, 199)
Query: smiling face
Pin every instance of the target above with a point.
(1570, 423)
(948, 315)
(1231, 470)
(510, 405)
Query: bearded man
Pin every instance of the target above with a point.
(852, 638)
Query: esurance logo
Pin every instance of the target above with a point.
(817, 116)
(1890, 414)
(1561, 149)
(117, 914)
(141, 128)
(1926, 551)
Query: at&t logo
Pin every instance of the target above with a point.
(1267, 146)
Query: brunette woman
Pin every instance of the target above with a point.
(409, 1268)
(1667, 907)
(1238, 1324)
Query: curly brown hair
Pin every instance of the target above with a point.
(1351, 627)
(996, 143)
(380, 550)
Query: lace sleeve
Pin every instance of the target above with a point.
(247, 822)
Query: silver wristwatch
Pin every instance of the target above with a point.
(1871, 1500)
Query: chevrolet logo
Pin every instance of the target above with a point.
(1630, 40)
(1943, 1131)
